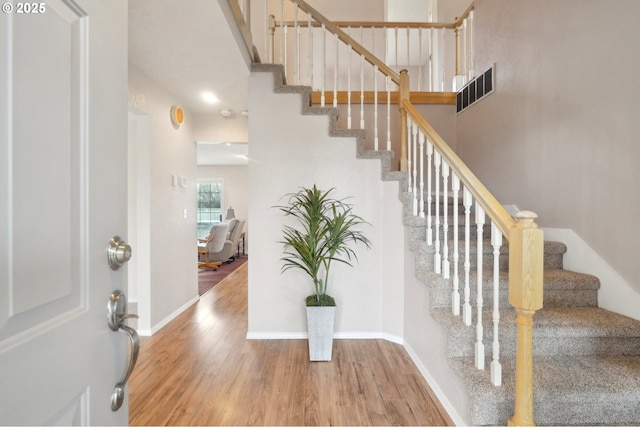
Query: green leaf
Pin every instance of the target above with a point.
(326, 229)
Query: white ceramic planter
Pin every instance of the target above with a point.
(320, 322)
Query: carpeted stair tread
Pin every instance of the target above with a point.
(554, 278)
(561, 288)
(580, 390)
(556, 322)
(550, 247)
(557, 331)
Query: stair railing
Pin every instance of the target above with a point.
(332, 54)
(339, 60)
(420, 147)
(447, 175)
(241, 10)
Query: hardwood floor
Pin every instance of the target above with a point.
(201, 370)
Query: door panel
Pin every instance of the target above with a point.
(45, 203)
(63, 100)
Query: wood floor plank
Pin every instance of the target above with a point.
(201, 370)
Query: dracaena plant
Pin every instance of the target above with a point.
(324, 232)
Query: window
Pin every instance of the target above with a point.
(209, 206)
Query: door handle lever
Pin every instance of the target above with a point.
(117, 318)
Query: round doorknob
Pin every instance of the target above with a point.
(118, 252)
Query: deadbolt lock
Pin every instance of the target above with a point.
(118, 252)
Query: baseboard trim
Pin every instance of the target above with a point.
(337, 336)
(451, 410)
(166, 320)
(615, 293)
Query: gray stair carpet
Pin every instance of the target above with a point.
(586, 359)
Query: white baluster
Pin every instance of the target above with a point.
(310, 52)
(445, 218)
(323, 71)
(281, 37)
(419, 59)
(361, 83)
(335, 73)
(467, 200)
(375, 92)
(396, 39)
(375, 108)
(414, 138)
(409, 176)
(432, 82)
(496, 368)
(421, 142)
(429, 192)
(297, 54)
(444, 59)
(361, 91)
(437, 158)
(285, 35)
(463, 55)
(472, 71)
(479, 330)
(266, 30)
(349, 88)
(388, 113)
(408, 33)
(455, 297)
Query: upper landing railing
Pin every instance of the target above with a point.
(341, 61)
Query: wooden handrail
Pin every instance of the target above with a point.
(464, 16)
(346, 38)
(492, 207)
(441, 98)
(373, 24)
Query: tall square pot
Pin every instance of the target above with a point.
(320, 321)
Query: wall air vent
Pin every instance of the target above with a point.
(476, 89)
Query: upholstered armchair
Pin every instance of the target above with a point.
(213, 246)
(219, 252)
(227, 253)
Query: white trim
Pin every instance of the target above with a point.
(615, 293)
(276, 335)
(169, 318)
(337, 336)
(451, 410)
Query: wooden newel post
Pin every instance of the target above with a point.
(526, 263)
(404, 94)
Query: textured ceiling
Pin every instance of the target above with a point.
(188, 47)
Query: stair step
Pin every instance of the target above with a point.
(580, 390)
(553, 254)
(562, 288)
(557, 331)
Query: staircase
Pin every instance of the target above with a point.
(586, 359)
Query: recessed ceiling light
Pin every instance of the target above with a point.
(210, 97)
(226, 113)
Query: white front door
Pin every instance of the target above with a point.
(63, 135)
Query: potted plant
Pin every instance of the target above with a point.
(325, 230)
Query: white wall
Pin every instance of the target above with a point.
(288, 151)
(560, 134)
(172, 246)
